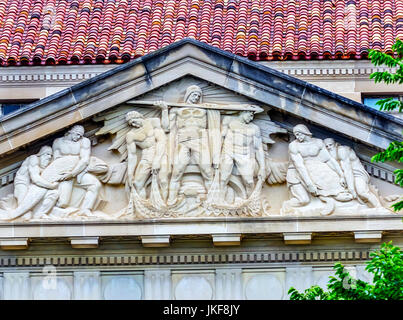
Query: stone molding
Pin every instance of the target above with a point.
(70, 75)
(318, 70)
(226, 239)
(274, 224)
(155, 241)
(298, 238)
(206, 228)
(7, 174)
(379, 170)
(49, 75)
(368, 236)
(14, 243)
(84, 242)
(256, 258)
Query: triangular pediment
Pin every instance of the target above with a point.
(248, 79)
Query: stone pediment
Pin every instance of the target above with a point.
(193, 136)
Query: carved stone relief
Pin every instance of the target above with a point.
(325, 177)
(185, 152)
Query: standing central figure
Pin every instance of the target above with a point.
(190, 142)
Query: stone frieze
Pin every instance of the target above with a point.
(189, 159)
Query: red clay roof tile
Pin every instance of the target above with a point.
(104, 31)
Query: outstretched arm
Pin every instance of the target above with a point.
(56, 148)
(164, 115)
(85, 154)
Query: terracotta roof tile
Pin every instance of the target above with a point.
(104, 31)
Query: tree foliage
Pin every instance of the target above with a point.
(386, 266)
(395, 150)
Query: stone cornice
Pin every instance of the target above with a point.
(204, 260)
(49, 75)
(320, 70)
(380, 171)
(203, 227)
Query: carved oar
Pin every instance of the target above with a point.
(215, 106)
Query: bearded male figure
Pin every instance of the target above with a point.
(74, 151)
(189, 140)
(312, 171)
(356, 176)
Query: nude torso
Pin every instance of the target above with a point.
(347, 153)
(22, 175)
(308, 150)
(241, 138)
(191, 118)
(144, 136)
(67, 147)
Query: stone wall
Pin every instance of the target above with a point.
(189, 269)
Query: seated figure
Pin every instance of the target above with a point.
(31, 189)
(312, 172)
(357, 178)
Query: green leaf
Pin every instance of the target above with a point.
(386, 265)
(389, 104)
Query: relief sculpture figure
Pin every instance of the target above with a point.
(313, 172)
(143, 167)
(357, 178)
(242, 146)
(189, 141)
(34, 194)
(73, 153)
(188, 149)
(147, 135)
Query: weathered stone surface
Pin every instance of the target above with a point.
(84, 242)
(297, 237)
(13, 243)
(158, 284)
(226, 239)
(186, 158)
(368, 236)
